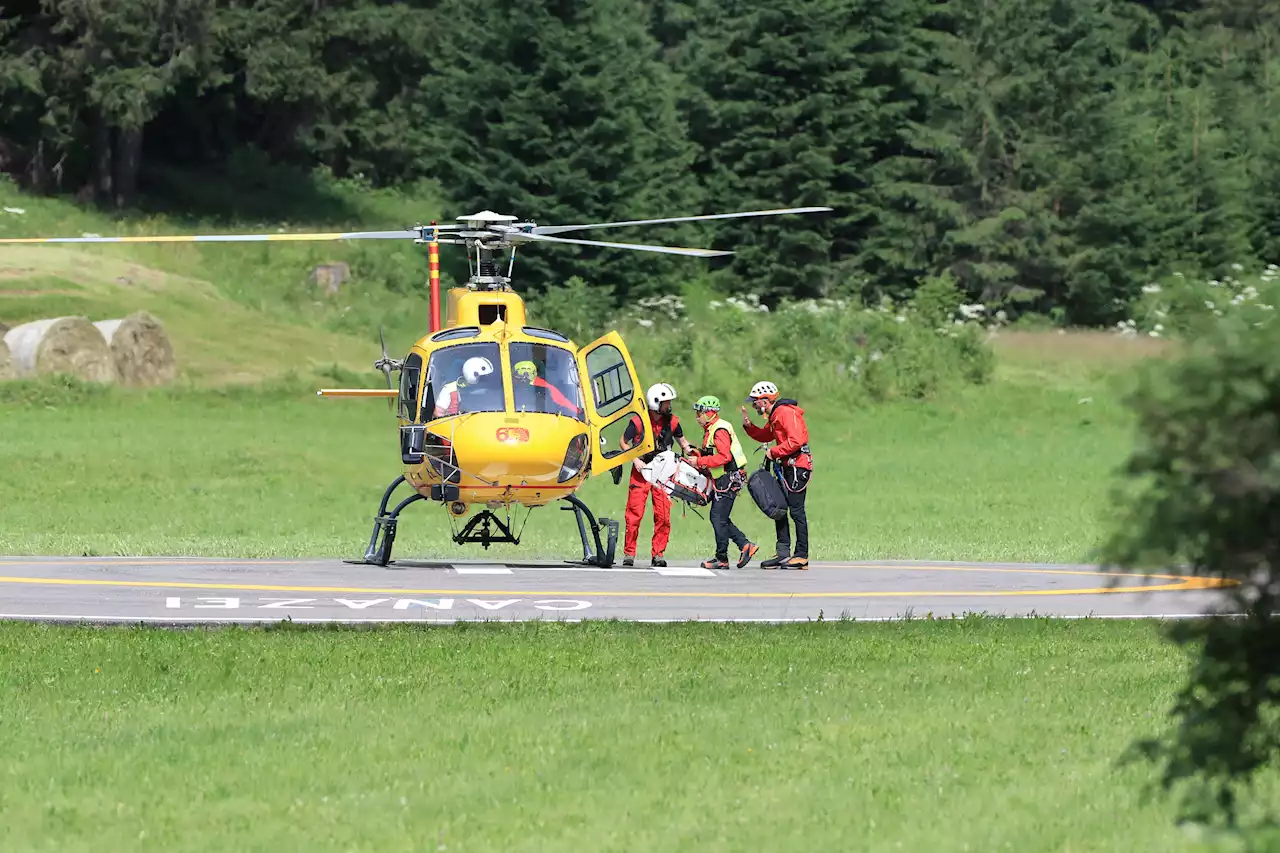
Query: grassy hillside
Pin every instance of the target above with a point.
(235, 312)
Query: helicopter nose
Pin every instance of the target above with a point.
(532, 450)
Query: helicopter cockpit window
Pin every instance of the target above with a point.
(535, 332)
(464, 378)
(455, 334)
(545, 379)
(410, 376)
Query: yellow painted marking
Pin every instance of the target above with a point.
(198, 562)
(1180, 584)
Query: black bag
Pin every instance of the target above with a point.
(766, 491)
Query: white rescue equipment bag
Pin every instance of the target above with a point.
(678, 479)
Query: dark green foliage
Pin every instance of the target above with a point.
(564, 113)
(1051, 156)
(1204, 491)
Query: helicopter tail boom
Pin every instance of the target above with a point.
(357, 392)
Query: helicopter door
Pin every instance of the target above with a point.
(613, 403)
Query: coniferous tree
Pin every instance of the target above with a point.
(793, 99)
(564, 113)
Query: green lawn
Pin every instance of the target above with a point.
(970, 735)
(1014, 471)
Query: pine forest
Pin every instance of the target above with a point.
(1050, 157)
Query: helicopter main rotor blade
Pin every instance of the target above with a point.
(223, 238)
(557, 229)
(517, 236)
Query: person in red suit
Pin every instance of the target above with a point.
(667, 432)
(784, 424)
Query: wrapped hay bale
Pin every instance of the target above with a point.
(69, 345)
(7, 370)
(140, 349)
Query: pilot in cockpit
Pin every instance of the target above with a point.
(457, 397)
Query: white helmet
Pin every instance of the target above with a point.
(474, 368)
(657, 393)
(763, 389)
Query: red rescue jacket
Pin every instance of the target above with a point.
(785, 426)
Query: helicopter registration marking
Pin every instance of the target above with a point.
(512, 435)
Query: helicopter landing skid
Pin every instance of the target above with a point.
(379, 552)
(602, 556)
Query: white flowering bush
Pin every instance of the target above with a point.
(1179, 305)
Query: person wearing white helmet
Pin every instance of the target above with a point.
(448, 401)
(667, 432)
(793, 461)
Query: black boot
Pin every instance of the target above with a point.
(774, 562)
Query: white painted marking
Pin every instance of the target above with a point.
(614, 569)
(442, 604)
(173, 603)
(682, 572)
(361, 604)
(221, 603)
(482, 570)
(573, 604)
(288, 602)
(492, 605)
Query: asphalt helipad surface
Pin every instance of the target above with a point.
(176, 590)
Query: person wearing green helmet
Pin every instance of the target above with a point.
(722, 458)
(526, 377)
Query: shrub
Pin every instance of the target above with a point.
(1181, 306)
(835, 349)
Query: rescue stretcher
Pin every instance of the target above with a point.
(678, 479)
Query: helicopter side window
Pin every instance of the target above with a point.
(610, 380)
(410, 375)
(462, 379)
(545, 379)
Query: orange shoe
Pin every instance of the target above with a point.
(800, 563)
(748, 551)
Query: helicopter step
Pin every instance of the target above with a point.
(484, 528)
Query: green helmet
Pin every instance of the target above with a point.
(709, 403)
(526, 370)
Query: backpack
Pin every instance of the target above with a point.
(766, 491)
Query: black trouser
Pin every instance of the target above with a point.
(795, 485)
(726, 492)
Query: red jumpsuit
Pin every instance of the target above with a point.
(639, 489)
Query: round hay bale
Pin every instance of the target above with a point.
(69, 345)
(7, 370)
(140, 349)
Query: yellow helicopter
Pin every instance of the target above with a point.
(495, 412)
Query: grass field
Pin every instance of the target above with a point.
(954, 736)
(1015, 471)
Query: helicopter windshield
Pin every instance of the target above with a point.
(463, 378)
(545, 379)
